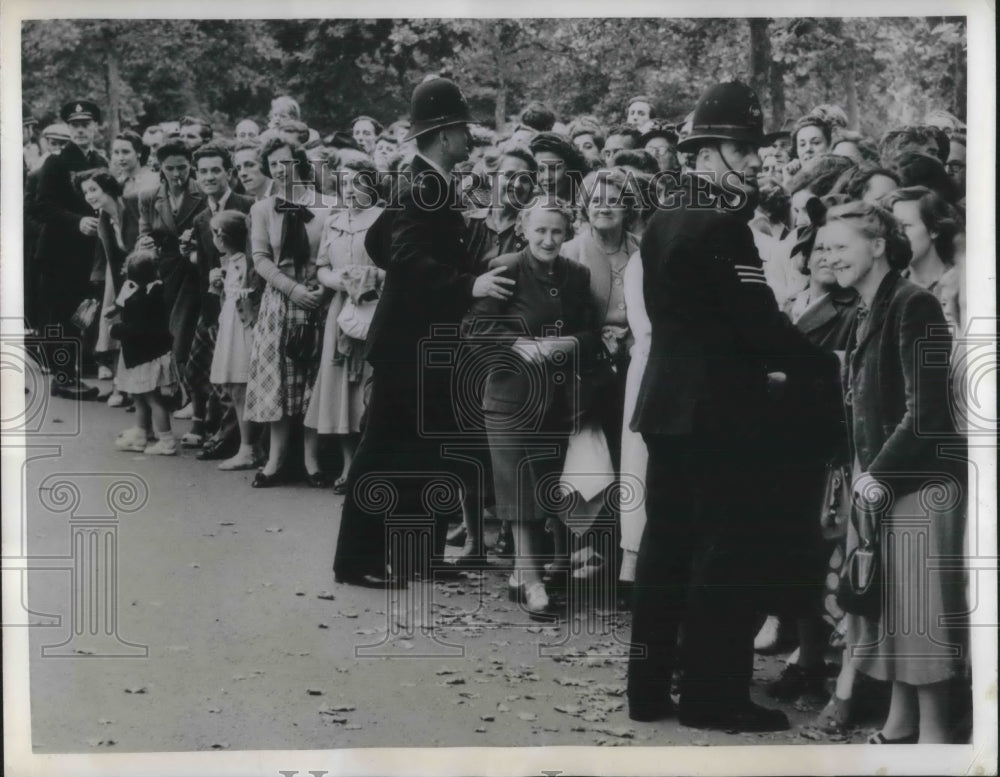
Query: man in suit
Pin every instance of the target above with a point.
(166, 215)
(66, 242)
(213, 166)
(703, 410)
(427, 284)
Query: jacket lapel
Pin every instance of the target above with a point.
(162, 206)
(193, 198)
(879, 309)
(817, 316)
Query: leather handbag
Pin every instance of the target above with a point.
(835, 510)
(85, 314)
(304, 340)
(860, 587)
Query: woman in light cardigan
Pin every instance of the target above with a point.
(284, 238)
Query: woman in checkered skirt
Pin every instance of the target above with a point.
(284, 237)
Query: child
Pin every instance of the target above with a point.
(231, 360)
(145, 364)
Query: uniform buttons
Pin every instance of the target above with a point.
(618, 281)
(559, 323)
(621, 306)
(554, 292)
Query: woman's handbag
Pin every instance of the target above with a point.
(85, 314)
(304, 340)
(860, 588)
(835, 509)
(354, 320)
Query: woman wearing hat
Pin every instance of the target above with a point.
(660, 141)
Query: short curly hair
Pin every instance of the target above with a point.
(303, 166)
(548, 203)
(875, 221)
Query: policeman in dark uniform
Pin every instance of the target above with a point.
(421, 246)
(702, 410)
(65, 251)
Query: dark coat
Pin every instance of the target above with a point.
(63, 253)
(896, 385)
(717, 330)
(540, 305)
(426, 282)
(156, 219)
(208, 255)
(108, 255)
(142, 330)
(485, 244)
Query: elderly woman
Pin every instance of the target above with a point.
(128, 160)
(529, 342)
(285, 236)
(344, 267)
(117, 232)
(909, 495)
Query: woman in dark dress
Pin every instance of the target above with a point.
(536, 344)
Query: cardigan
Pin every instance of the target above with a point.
(143, 331)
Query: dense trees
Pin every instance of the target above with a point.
(149, 70)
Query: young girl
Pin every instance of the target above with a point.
(231, 358)
(145, 364)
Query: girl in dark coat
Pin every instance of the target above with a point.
(146, 364)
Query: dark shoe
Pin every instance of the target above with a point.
(456, 537)
(740, 717)
(260, 480)
(796, 681)
(317, 479)
(74, 390)
(217, 451)
(878, 738)
(648, 711)
(340, 486)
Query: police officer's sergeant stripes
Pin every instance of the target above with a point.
(750, 274)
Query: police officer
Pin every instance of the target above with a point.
(702, 409)
(421, 246)
(66, 244)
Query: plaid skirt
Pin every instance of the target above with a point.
(277, 386)
(198, 369)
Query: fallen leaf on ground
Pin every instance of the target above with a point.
(314, 691)
(481, 730)
(325, 595)
(527, 716)
(569, 709)
(487, 718)
(215, 709)
(503, 708)
(273, 529)
(226, 523)
(220, 746)
(341, 707)
(455, 681)
(136, 689)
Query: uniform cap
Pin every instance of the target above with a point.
(727, 111)
(437, 103)
(80, 109)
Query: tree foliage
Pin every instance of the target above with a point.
(895, 69)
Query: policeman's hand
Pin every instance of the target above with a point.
(490, 284)
(88, 226)
(309, 299)
(528, 350)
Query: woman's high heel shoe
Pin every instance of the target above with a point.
(261, 480)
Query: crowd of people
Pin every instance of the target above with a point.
(726, 318)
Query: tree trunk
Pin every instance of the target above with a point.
(500, 106)
(114, 83)
(776, 89)
(850, 75)
(760, 55)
